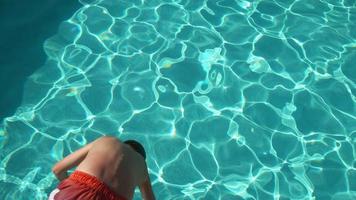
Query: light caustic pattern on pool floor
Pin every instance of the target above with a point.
(232, 99)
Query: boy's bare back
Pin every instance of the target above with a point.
(117, 165)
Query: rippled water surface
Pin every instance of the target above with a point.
(232, 99)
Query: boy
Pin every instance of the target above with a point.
(107, 169)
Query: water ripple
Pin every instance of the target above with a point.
(232, 99)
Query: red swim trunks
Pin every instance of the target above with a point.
(83, 186)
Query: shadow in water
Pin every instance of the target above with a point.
(25, 25)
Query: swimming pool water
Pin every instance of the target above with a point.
(232, 99)
(21, 45)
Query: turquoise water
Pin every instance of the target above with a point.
(21, 45)
(232, 99)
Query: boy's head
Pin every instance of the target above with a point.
(137, 147)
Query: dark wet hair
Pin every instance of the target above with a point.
(137, 147)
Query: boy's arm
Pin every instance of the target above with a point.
(146, 189)
(60, 168)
